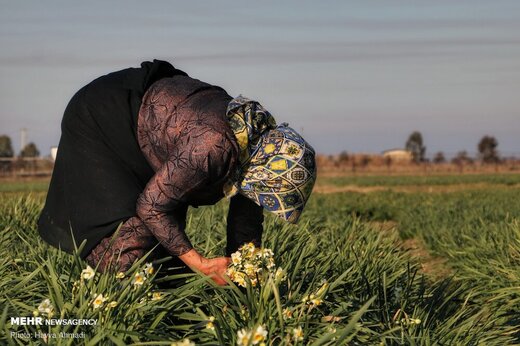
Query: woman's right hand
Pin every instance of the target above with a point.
(212, 267)
(216, 269)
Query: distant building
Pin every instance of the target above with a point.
(398, 155)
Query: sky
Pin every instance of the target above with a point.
(358, 76)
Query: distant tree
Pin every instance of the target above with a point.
(365, 160)
(388, 162)
(461, 158)
(414, 144)
(487, 148)
(439, 157)
(343, 157)
(6, 148)
(30, 150)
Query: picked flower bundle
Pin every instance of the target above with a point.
(252, 263)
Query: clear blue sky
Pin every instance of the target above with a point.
(355, 76)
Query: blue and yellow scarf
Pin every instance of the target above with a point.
(277, 166)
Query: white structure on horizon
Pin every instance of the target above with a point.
(54, 152)
(398, 155)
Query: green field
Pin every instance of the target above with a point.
(378, 268)
(424, 180)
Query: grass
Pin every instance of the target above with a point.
(371, 291)
(23, 186)
(507, 179)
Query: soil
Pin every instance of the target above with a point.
(432, 266)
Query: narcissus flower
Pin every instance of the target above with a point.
(46, 307)
(237, 277)
(267, 253)
(98, 301)
(157, 296)
(298, 333)
(184, 342)
(243, 337)
(148, 269)
(88, 273)
(259, 335)
(236, 258)
(120, 275)
(210, 324)
(279, 274)
(139, 279)
(250, 269)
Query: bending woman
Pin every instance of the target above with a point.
(141, 145)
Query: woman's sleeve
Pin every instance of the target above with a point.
(244, 223)
(160, 203)
(163, 203)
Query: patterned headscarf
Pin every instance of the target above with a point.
(277, 166)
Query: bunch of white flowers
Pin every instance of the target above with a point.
(252, 337)
(251, 262)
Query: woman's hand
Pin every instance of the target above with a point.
(213, 267)
(216, 269)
